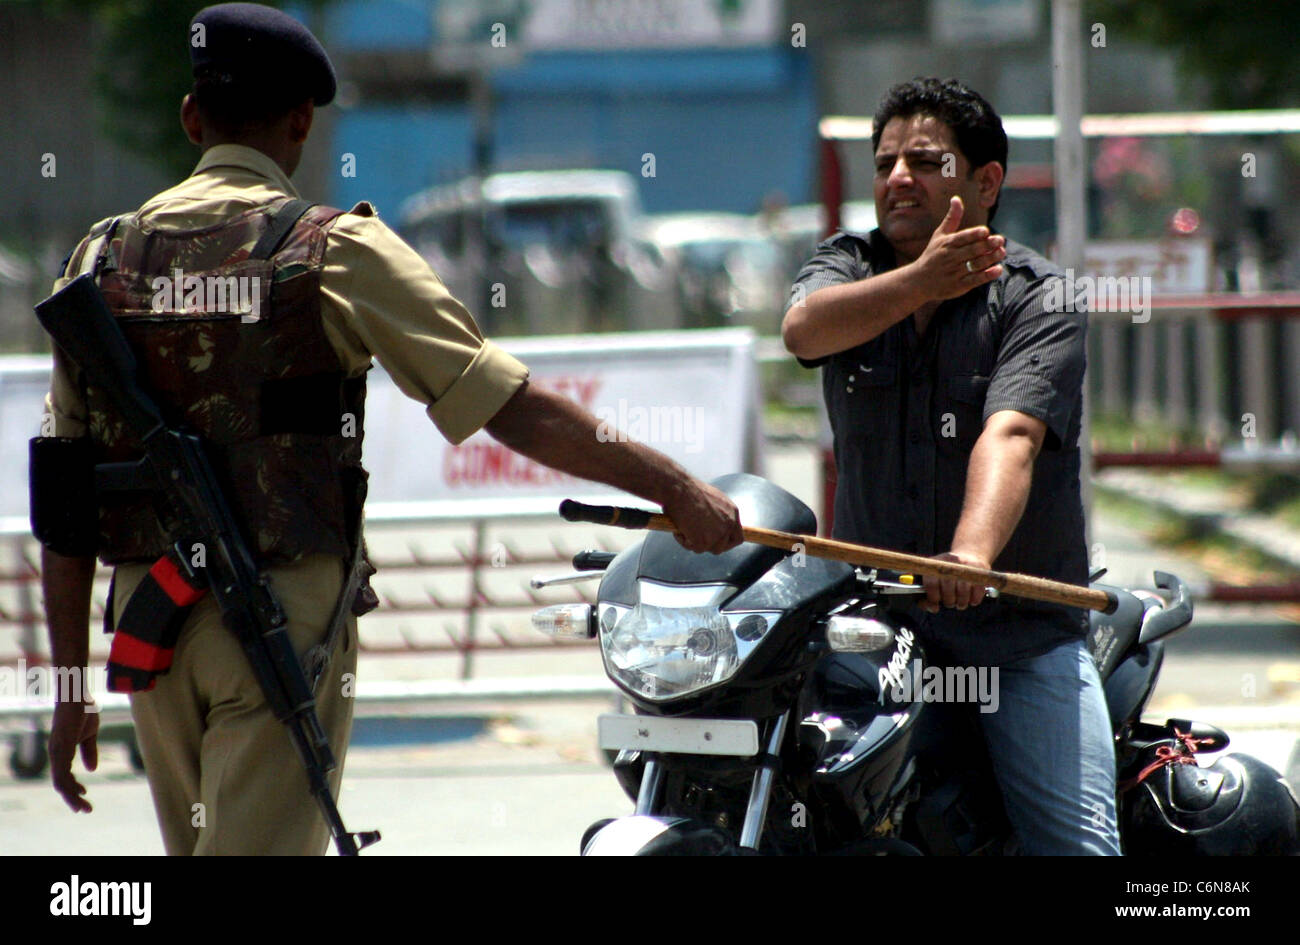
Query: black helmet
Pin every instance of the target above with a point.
(1238, 806)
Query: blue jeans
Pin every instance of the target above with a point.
(1053, 754)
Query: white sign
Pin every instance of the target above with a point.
(609, 24)
(24, 382)
(984, 21)
(1179, 266)
(691, 395)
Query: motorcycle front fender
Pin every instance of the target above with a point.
(643, 835)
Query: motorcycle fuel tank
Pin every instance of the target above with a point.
(856, 724)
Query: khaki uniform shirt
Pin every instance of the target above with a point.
(379, 299)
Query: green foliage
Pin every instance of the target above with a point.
(1244, 51)
(1114, 432)
(142, 71)
(1275, 493)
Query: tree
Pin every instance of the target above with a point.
(1244, 52)
(142, 71)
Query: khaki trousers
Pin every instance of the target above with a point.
(223, 772)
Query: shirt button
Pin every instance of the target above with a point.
(913, 492)
(915, 437)
(848, 390)
(852, 378)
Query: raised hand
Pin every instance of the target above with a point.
(956, 260)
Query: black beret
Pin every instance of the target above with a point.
(260, 45)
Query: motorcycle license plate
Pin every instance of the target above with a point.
(686, 736)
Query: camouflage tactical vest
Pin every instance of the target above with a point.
(234, 349)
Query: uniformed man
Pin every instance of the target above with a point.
(271, 382)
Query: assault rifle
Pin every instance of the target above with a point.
(80, 322)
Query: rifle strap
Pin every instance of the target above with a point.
(317, 658)
(97, 250)
(281, 223)
(144, 640)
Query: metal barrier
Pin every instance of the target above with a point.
(20, 584)
(480, 555)
(1214, 362)
(472, 635)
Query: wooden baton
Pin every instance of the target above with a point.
(1021, 585)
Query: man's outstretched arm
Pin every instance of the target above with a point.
(556, 432)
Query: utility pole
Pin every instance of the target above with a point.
(1071, 182)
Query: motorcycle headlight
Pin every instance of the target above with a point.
(662, 652)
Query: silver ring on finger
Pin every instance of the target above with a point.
(969, 268)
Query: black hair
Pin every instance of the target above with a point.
(235, 105)
(974, 122)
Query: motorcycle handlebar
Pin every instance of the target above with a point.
(572, 511)
(593, 560)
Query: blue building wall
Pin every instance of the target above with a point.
(726, 127)
(379, 24)
(398, 151)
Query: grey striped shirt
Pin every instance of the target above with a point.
(906, 412)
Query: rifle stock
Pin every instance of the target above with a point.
(95, 343)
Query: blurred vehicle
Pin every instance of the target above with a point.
(1027, 206)
(797, 230)
(727, 270)
(542, 252)
(732, 269)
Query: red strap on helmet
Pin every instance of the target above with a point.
(1181, 753)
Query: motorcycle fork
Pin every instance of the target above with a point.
(760, 791)
(652, 779)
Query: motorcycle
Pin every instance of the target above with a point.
(769, 716)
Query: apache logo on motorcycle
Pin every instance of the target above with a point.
(891, 676)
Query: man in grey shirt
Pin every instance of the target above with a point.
(954, 393)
